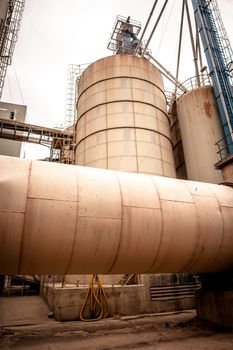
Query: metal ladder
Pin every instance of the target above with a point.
(9, 30)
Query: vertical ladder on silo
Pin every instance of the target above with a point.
(220, 61)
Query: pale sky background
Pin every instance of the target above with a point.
(56, 33)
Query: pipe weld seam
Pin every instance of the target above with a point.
(162, 226)
(121, 229)
(53, 199)
(25, 212)
(12, 211)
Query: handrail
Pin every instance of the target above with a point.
(194, 83)
(223, 146)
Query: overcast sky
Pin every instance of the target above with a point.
(56, 33)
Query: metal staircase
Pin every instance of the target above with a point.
(10, 22)
(219, 57)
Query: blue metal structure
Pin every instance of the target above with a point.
(219, 58)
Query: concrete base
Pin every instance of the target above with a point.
(123, 300)
(158, 306)
(226, 165)
(216, 306)
(215, 299)
(169, 297)
(67, 302)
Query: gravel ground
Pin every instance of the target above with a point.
(25, 325)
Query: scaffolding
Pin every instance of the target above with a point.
(74, 72)
(123, 39)
(10, 20)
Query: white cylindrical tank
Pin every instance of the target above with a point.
(200, 128)
(122, 117)
(67, 219)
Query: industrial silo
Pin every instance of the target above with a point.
(200, 128)
(122, 124)
(122, 117)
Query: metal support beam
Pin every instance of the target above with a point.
(144, 30)
(180, 41)
(192, 43)
(155, 26)
(168, 74)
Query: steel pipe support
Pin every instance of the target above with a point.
(65, 219)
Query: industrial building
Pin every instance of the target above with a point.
(132, 212)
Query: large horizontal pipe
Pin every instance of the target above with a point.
(65, 219)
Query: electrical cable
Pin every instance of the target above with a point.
(18, 84)
(9, 87)
(95, 306)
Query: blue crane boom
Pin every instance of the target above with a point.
(219, 57)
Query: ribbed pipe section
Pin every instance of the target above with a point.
(64, 219)
(122, 117)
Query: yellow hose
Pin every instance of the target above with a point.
(96, 300)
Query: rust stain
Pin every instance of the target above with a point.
(207, 107)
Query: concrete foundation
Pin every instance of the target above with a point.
(122, 300)
(67, 302)
(167, 305)
(226, 165)
(215, 299)
(168, 292)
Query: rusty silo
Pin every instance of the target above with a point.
(200, 130)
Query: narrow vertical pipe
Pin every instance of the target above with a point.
(180, 42)
(155, 26)
(192, 42)
(147, 23)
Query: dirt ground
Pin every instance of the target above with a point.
(24, 324)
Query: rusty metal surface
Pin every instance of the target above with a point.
(200, 130)
(64, 219)
(122, 117)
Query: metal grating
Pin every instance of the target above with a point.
(174, 292)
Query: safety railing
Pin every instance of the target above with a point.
(225, 146)
(190, 84)
(194, 83)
